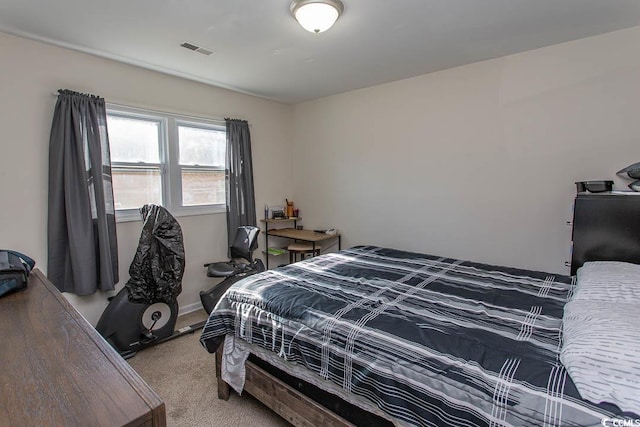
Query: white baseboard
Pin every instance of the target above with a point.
(189, 308)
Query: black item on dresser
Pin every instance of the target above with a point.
(606, 227)
(14, 271)
(594, 186)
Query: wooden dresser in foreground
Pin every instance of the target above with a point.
(56, 370)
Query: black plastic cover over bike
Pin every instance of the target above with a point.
(158, 265)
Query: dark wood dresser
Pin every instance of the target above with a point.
(606, 227)
(56, 370)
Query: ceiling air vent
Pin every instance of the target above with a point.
(195, 48)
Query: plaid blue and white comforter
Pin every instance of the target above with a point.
(430, 341)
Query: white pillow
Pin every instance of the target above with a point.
(601, 351)
(608, 281)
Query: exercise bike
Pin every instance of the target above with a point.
(145, 311)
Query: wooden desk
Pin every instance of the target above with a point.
(58, 371)
(301, 235)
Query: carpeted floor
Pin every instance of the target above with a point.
(182, 373)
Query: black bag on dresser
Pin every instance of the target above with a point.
(14, 270)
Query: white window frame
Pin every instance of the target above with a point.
(170, 168)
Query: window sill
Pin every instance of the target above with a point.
(132, 215)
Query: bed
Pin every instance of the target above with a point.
(404, 338)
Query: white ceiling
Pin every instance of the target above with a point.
(260, 49)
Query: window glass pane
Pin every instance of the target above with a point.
(204, 147)
(132, 188)
(202, 187)
(133, 140)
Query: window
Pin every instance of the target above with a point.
(202, 158)
(136, 161)
(175, 161)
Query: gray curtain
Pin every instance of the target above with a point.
(241, 204)
(82, 245)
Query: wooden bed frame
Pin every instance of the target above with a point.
(286, 401)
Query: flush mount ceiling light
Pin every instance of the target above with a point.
(316, 15)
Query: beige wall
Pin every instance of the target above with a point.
(476, 162)
(31, 71)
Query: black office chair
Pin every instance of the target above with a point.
(241, 264)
